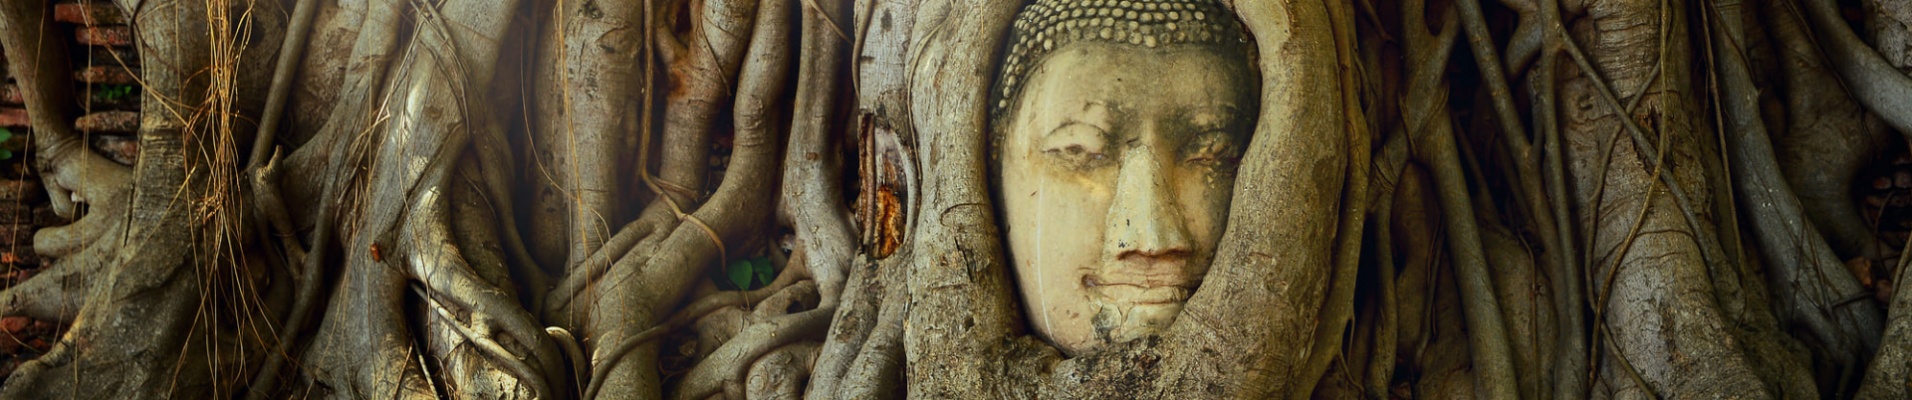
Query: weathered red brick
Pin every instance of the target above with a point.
(101, 55)
(14, 117)
(14, 324)
(89, 13)
(121, 149)
(21, 259)
(119, 35)
(43, 216)
(17, 237)
(106, 74)
(108, 122)
(21, 190)
(15, 213)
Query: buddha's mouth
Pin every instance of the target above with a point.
(1139, 292)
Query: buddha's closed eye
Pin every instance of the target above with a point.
(1078, 146)
(1213, 150)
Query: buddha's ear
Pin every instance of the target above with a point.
(964, 325)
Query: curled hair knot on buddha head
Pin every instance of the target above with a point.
(1047, 25)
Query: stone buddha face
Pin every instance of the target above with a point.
(1116, 167)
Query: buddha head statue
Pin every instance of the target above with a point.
(1117, 128)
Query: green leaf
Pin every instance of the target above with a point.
(115, 92)
(5, 134)
(739, 273)
(765, 272)
(6, 154)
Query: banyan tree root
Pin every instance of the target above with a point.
(643, 286)
(156, 248)
(1827, 137)
(861, 357)
(1655, 247)
(770, 327)
(73, 174)
(590, 86)
(812, 186)
(1878, 85)
(780, 374)
(1493, 357)
(1811, 281)
(1885, 378)
(473, 325)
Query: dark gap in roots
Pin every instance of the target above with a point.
(1883, 191)
(416, 311)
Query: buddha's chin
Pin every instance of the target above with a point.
(1120, 321)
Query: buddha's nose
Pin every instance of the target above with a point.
(1145, 224)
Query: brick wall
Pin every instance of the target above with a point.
(105, 69)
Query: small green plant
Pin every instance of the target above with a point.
(751, 273)
(115, 92)
(6, 134)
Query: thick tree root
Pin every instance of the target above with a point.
(1812, 283)
(1827, 137)
(1879, 86)
(767, 331)
(57, 293)
(1491, 348)
(642, 287)
(780, 374)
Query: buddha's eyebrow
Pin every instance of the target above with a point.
(1068, 123)
(1212, 116)
(1086, 117)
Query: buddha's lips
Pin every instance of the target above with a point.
(1141, 291)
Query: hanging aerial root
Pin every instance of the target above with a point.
(734, 213)
(1879, 86)
(1811, 281)
(1389, 166)
(291, 52)
(812, 180)
(1427, 117)
(1826, 139)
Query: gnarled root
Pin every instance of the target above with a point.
(770, 327)
(57, 293)
(780, 374)
(642, 287)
